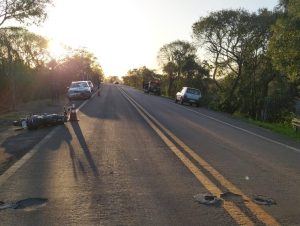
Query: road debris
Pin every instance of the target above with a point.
(25, 204)
(10, 205)
(208, 199)
(264, 200)
(230, 196)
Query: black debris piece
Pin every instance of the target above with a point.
(230, 196)
(208, 199)
(31, 203)
(264, 200)
(26, 204)
(10, 205)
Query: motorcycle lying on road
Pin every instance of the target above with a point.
(35, 121)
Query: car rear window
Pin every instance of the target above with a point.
(193, 91)
(79, 84)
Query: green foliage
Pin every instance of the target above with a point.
(180, 65)
(137, 76)
(24, 11)
(229, 36)
(19, 44)
(79, 65)
(237, 46)
(285, 129)
(285, 42)
(26, 72)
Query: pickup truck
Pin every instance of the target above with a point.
(152, 87)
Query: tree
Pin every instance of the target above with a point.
(25, 46)
(80, 65)
(257, 72)
(285, 42)
(23, 10)
(20, 51)
(178, 60)
(236, 42)
(18, 46)
(137, 76)
(226, 34)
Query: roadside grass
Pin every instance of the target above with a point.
(280, 128)
(285, 129)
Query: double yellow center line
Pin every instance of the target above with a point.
(234, 211)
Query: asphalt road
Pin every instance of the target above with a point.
(139, 159)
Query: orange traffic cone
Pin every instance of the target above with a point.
(73, 114)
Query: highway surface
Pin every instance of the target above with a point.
(139, 159)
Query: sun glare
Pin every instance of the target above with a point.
(56, 49)
(115, 35)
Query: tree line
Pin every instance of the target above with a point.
(250, 67)
(27, 70)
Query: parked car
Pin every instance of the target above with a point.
(189, 95)
(79, 90)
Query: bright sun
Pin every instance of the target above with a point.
(56, 49)
(120, 37)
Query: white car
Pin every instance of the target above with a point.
(79, 90)
(189, 95)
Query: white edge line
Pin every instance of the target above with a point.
(244, 130)
(17, 165)
(8, 173)
(241, 129)
(85, 102)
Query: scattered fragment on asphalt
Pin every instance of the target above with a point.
(31, 203)
(26, 204)
(208, 199)
(230, 196)
(263, 200)
(10, 205)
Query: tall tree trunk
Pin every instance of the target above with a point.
(229, 107)
(170, 86)
(12, 79)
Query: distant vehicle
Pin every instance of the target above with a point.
(79, 90)
(152, 86)
(116, 82)
(189, 95)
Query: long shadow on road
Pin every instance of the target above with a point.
(85, 148)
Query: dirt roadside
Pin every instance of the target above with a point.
(15, 143)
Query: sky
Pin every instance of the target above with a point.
(127, 34)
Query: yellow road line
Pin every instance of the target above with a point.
(255, 209)
(230, 207)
